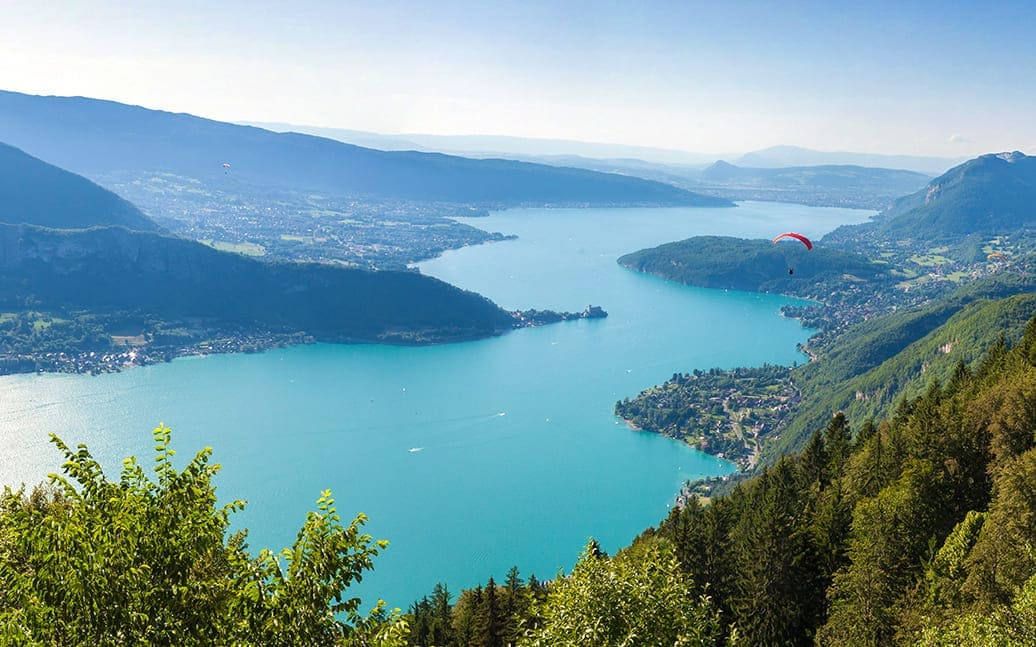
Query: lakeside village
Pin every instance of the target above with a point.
(33, 342)
(127, 355)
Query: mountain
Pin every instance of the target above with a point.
(90, 136)
(891, 181)
(36, 193)
(111, 269)
(841, 185)
(780, 156)
(496, 145)
(989, 195)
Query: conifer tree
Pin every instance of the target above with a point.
(775, 593)
(837, 442)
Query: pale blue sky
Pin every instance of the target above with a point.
(938, 78)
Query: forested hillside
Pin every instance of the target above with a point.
(82, 267)
(880, 361)
(111, 269)
(756, 265)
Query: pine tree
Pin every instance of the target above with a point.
(441, 626)
(776, 597)
(837, 442)
(490, 618)
(814, 460)
(466, 617)
(515, 605)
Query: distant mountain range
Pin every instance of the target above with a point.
(89, 136)
(495, 145)
(543, 150)
(891, 181)
(783, 156)
(66, 243)
(957, 212)
(816, 177)
(830, 185)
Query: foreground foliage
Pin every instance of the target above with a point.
(639, 597)
(145, 560)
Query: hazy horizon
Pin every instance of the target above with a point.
(711, 155)
(922, 78)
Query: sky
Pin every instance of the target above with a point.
(946, 78)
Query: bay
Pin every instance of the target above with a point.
(468, 457)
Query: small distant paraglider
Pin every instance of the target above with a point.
(996, 255)
(226, 168)
(799, 237)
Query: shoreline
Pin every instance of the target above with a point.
(115, 361)
(101, 362)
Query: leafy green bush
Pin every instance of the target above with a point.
(142, 561)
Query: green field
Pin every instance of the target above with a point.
(247, 249)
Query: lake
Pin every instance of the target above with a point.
(467, 457)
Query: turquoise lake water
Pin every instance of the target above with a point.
(468, 457)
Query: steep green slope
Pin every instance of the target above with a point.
(36, 193)
(114, 269)
(868, 343)
(900, 356)
(89, 136)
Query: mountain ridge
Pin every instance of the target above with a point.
(786, 155)
(92, 136)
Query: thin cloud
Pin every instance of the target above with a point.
(957, 138)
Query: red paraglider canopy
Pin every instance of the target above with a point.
(799, 237)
